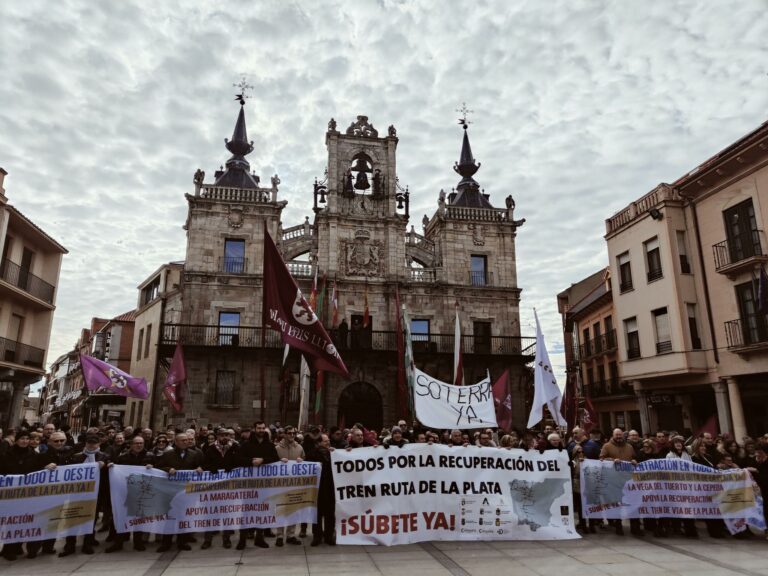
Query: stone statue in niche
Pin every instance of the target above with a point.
(477, 234)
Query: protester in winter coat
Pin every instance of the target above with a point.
(618, 450)
(289, 449)
(326, 499)
(18, 459)
(700, 454)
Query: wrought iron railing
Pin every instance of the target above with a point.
(747, 331)
(233, 265)
(737, 249)
(663, 347)
(601, 344)
(376, 340)
(480, 278)
(22, 278)
(18, 353)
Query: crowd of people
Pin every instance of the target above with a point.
(203, 448)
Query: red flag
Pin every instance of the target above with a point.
(503, 400)
(569, 407)
(334, 307)
(588, 416)
(286, 310)
(366, 312)
(176, 380)
(313, 292)
(709, 426)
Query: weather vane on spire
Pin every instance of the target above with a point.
(244, 87)
(464, 111)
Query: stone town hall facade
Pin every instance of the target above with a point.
(360, 239)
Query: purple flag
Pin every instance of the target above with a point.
(102, 377)
(176, 380)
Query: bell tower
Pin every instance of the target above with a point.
(361, 211)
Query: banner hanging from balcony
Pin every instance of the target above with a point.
(442, 405)
(102, 377)
(287, 311)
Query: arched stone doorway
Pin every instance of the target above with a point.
(361, 402)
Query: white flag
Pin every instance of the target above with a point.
(546, 392)
(304, 394)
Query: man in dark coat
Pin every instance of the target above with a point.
(184, 456)
(91, 453)
(58, 453)
(221, 455)
(257, 451)
(136, 455)
(326, 499)
(18, 459)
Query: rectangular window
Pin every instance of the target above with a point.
(150, 291)
(625, 272)
(693, 327)
(141, 342)
(610, 335)
(653, 259)
(597, 338)
(753, 324)
(661, 324)
(234, 256)
(479, 270)
(229, 328)
(141, 413)
(224, 391)
(601, 377)
(633, 338)
(587, 343)
(419, 330)
(613, 374)
(148, 340)
(682, 252)
(482, 336)
(741, 231)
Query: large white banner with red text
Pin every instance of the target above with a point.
(433, 492)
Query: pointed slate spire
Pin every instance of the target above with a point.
(237, 173)
(468, 190)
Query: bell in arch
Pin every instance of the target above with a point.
(361, 181)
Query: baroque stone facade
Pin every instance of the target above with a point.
(360, 243)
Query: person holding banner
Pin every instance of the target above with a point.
(259, 450)
(91, 453)
(618, 450)
(700, 455)
(326, 499)
(18, 459)
(136, 455)
(184, 456)
(289, 449)
(223, 454)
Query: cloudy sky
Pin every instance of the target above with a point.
(108, 108)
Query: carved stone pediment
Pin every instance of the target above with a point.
(362, 257)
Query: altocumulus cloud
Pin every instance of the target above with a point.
(106, 110)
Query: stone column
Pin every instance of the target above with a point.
(642, 404)
(723, 407)
(737, 410)
(17, 402)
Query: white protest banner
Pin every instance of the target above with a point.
(433, 492)
(668, 488)
(48, 503)
(442, 405)
(271, 495)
